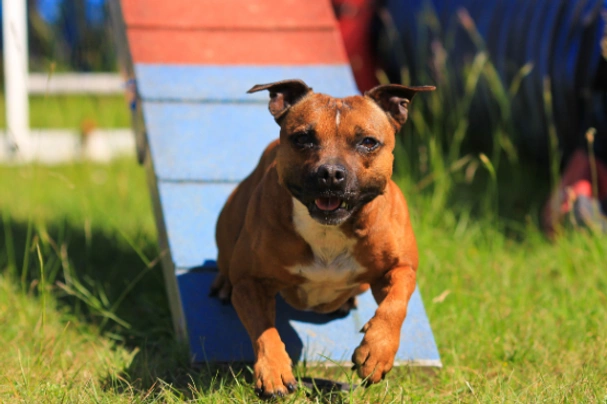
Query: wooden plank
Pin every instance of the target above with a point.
(168, 268)
(317, 338)
(221, 14)
(236, 47)
(190, 212)
(230, 83)
(207, 142)
(120, 42)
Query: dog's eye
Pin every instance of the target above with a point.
(303, 140)
(369, 143)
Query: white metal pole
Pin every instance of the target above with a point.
(14, 28)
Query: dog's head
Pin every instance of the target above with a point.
(335, 154)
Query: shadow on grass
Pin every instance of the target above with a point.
(111, 284)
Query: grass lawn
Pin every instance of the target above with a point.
(85, 319)
(74, 111)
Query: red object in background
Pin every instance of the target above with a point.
(576, 181)
(578, 172)
(354, 17)
(233, 32)
(228, 14)
(236, 47)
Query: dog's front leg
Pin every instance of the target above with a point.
(374, 356)
(257, 311)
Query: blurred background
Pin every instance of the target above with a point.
(72, 35)
(76, 105)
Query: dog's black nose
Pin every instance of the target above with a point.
(332, 175)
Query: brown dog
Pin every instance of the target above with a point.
(318, 221)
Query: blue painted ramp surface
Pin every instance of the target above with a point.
(208, 141)
(189, 208)
(216, 333)
(230, 83)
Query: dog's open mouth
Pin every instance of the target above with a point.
(330, 210)
(330, 204)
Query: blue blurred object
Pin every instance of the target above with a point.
(588, 212)
(95, 11)
(50, 10)
(561, 38)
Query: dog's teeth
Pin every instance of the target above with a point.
(343, 205)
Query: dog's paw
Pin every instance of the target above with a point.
(374, 357)
(274, 377)
(221, 288)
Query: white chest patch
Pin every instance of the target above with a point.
(334, 268)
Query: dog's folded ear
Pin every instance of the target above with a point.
(283, 94)
(395, 99)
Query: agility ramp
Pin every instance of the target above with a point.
(199, 134)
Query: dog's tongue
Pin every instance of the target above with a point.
(328, 203)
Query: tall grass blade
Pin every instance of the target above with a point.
(9, 242)
(26, 255)
(42, 284)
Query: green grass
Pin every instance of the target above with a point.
(85, 319)
(74, 111)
